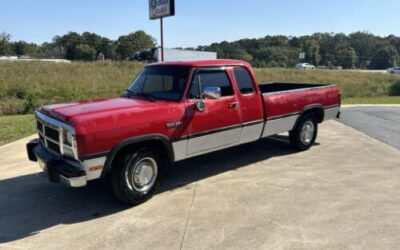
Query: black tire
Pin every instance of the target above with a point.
(123, 175)
(296, 137)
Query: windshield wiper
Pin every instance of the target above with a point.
(144, 95)
(130, 93)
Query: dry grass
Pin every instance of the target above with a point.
(353, 84)
(26, 85)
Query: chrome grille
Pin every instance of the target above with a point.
(49, 135)
(52, 134)
(54, 146)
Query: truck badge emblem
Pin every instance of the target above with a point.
(174, 124)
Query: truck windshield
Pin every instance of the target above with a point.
(160, 83)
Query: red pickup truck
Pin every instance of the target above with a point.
(173, 111)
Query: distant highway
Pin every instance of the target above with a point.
(366, 71)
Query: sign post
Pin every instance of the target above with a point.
(158, 10)
(162, 38)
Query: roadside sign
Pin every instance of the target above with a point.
(161, 8)
(302, 56)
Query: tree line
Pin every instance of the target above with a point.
(356, 50)
(84, 47)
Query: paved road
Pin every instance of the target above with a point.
(365, 71)
(342, 194)
(381, 123)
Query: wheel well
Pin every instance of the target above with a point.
(318, 112)
(118, 155)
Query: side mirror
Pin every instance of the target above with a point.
(200, 106)
(212, 93)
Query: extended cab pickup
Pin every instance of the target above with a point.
(173, 111)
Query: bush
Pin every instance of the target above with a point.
(12, 106)
(395, 89)
(17, 91)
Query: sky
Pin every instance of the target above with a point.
(198, 22)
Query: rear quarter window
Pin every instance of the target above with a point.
(244, 81)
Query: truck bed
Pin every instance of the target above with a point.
(272, 88)
(284, 103)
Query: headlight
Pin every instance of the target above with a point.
(69, 143)
(68, 138)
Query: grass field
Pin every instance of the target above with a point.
(26, 85)
(15, 127)
(373, 100)
(354, 84)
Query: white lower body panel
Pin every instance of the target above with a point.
(213, 142)
(200, 145)
(251, 133)
(280, 125)
(94, 168)
(331, 113)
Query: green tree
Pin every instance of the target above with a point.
(394, 41)
(22, 48)
(5, 46)
(93, 40)
(346, 57)
(68, 43)
(101, 44)
(134, 42)
(311, 48)
(52, 50)
(327, 47)
(85, 52)
(241, 54)
(108, 48)
(277, 41)
(365, 45)
(385, 58)
(272, 57)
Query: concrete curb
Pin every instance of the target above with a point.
(369, 105)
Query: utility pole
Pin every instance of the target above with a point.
(162, 39)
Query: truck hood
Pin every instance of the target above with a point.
(101, 124)
(75, 110)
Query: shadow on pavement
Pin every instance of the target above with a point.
(29, 204)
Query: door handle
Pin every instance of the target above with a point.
(233, 105)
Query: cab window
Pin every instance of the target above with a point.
(218, 79)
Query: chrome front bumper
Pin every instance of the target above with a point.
(57, 168)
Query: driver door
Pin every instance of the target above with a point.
(219, 125)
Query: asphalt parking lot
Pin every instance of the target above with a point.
(342, 194)
(379, 122)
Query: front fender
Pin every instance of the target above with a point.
(138, 140)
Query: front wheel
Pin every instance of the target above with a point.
(137, 176)
(303, 136)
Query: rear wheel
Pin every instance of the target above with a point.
(137, 176)
(303, 136)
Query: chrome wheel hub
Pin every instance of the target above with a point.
(307, 133)
(144, 174)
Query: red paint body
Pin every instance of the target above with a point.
(102, 124)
